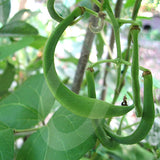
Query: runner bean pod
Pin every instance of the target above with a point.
(105, 140)
(135, 70)
(147, 116)
(52, 11)
(80, 105)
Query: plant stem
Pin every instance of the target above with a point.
(91, 12)
(128, 56)
(97, 3)
(136, 9)
(124, 21)
(25, 131)
(117, 61)
(114, 35)
(86, 48)
(105, 61)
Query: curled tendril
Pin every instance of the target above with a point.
(97, 29)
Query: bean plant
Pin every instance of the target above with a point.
(80, 126)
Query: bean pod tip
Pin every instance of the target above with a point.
(90, 69)
(146, 73)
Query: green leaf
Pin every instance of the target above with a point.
(39, 41)
(33, 96)
(19, 15)
(6, 142)
(66, 137)
(9, 49)
(18, 28)
(18, 116)
(129, 3)
(7, 78)
(4, 10)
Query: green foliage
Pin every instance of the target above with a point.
(4, 10)
(6, 142)
(28, 109)
(62, 138)
(19, 15)
(6, 79)
(18, 28)
(33, 96)
(9, 49)
(129, 3)
(18, 116)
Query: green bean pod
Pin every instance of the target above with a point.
(80, 105)
(135, 70)
(147, 117)
(90, 82)
(52, 11)
(105, 140)
(102, 136)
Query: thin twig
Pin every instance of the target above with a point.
(86, 48)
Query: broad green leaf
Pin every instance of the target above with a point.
(6, 142)
(19, 116)
(19, 15)
(39, 41)
(6, 78)
(33, 41)
(66, 137)
(129, 3)
(9, 49)
(4, 10)
(33, 94)
(18, 28)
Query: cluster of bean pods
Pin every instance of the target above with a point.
(90, 107)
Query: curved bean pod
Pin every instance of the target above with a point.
(80, 105)
(52, 12)
(105, 140)
(147, 116)
(101, 134)
(135, 70)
